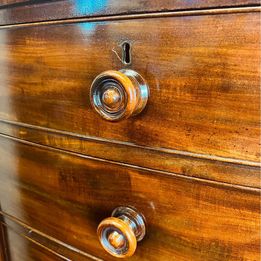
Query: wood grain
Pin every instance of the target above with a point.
(187, 219)
(4, 251)
(203, 71)
(49, 245)
(32, 11)
(22, 249)
(4, 3)
(217, 169)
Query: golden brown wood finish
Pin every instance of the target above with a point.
(187, 219)
(22, 249)
(44, 242)
(50, 10)
(3, 3)
(213, 168)
(203, 71)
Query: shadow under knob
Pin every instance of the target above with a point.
(117, 95)
(119, 233)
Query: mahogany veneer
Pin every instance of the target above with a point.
(189, 162)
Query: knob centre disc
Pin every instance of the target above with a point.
(111, 98)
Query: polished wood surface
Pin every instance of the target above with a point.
(189, 162)
(34, 238)
(33, 11)
(203, 71)
(22, 249)
(187, 219)
(211, 168)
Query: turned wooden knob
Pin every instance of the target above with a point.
(117, 95)
(119, 233)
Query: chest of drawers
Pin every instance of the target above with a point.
(169, 132)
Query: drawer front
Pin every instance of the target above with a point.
(188, 219)
(22, 249)
(233, 172)
(202, 71)
(24, 243)
(32, 11)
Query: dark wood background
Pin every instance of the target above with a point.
(190, 162)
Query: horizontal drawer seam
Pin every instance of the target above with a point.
(29, 3)
(204, 180)
(56, 241)
(128, 144)
(59, 242)
(36, 242)
(211, 11)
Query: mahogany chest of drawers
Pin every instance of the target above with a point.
(130, 129)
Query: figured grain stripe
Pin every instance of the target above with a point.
(57, 10)
(251, 9)
(51, 244)
(20, 130)
(224, 170)
(238, 186)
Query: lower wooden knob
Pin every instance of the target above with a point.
(120, 233)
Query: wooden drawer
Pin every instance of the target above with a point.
(22, 249)
(203, 73)
(24, 11)
(66, 196)
(24, 243)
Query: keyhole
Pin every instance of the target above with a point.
(126, 55)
